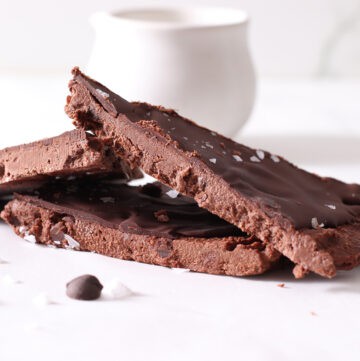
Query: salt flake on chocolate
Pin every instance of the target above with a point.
(315, 223)
(237, 158)
(331, 206)
(209, 145)
(212, 160)
(275, 158)
(103, 94)
(260, 154)
(255, 159)
(107, 199)
(172, 193)
(213, 134)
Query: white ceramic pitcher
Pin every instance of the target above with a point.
(195, 60)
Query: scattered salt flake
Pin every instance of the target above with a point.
(260, 153)
(103, 94)
(172, 193)
(255, 159)
(148, 114)
(9, 280)
(107, 199)
(180, 270)
(116, 290)
(173, 128)
(31, 326)
(72, 244)
(237, 158)
(212, 160)
(30, 238)
(90, 132)
(185, 138)
(71, 177)
(203, 147)
(275, 158)
(331, 206)
(209, 145)
(213, 134)
(315, 223)
(41, 300)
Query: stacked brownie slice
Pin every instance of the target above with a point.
(218, 206)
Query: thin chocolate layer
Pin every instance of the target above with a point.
(129, 223)
(132, 209)
(73, 153)
(306, 217)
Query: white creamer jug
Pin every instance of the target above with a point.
(192, 59)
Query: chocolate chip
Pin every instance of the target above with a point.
(86, 287)
(151, 190)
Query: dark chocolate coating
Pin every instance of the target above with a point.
(132, 211)
(274, 183)
(85, 287)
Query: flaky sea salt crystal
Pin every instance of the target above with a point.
(103, 94)
(260, 154)
(148, 114)
(30, 238)
(116, 290)
(213, 134)
(275, 158)
(212, 160)
(315, 223)
(185, 138)
(72, 244)
(255, 159)
(172, 193)
(209, 145)
(331, 206)
(237, 158)
(42, 299)
(3, 261)
(107, 199)
(180, 270)
(9, 280)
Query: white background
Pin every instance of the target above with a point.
(311, 38)
(308, 109)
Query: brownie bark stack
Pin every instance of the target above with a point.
(274, 207)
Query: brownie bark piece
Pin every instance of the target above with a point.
(122, 221)
(69, 154)
(313, 221)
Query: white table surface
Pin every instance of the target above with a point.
(187, 316)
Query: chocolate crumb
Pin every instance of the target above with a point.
(282, 285)
(162, 216)
(86, 287)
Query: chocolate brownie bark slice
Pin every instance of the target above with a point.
(149, 224)
(313, 221)
(69, 154)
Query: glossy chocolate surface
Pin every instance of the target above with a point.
(275, 184)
